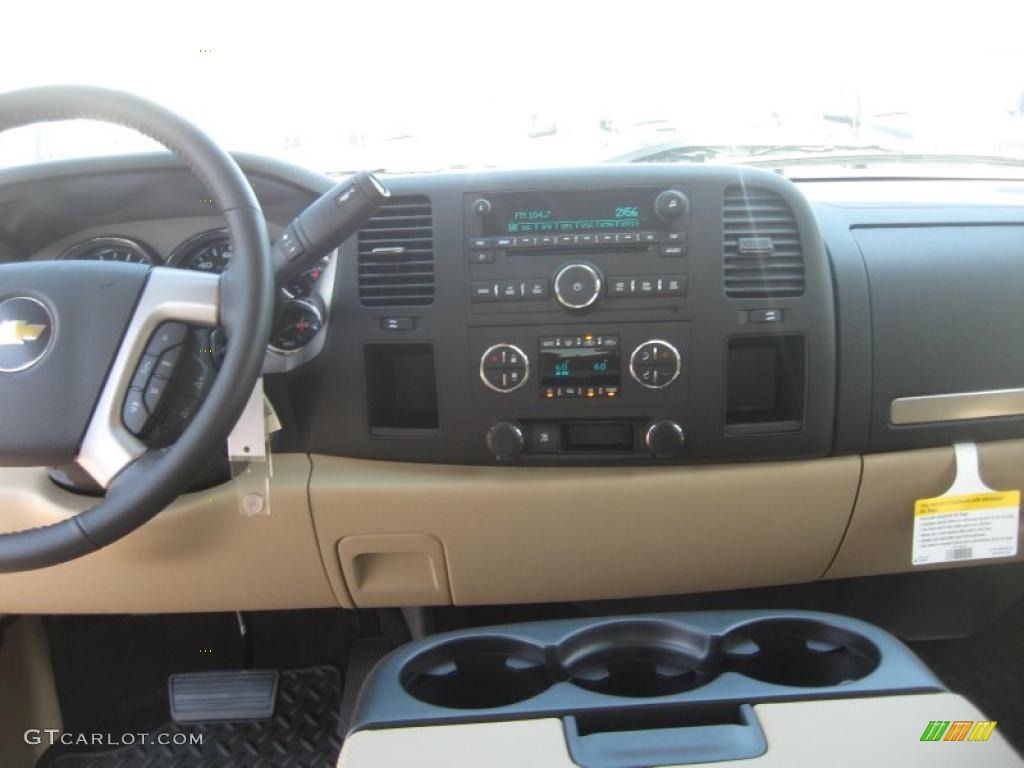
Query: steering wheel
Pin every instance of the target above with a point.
(73, 332)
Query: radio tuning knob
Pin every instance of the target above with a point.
(664, 439)
(577, 286)
(671, 204)
(505, 440)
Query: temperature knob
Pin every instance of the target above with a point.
(577, 286)
(655, 364)
(504, 368)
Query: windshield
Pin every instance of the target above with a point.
(425, 86)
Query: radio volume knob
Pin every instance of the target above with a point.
(577, 286)
(505, 440)
(482, 207)
(664, 439)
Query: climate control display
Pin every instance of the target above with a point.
(579, 366)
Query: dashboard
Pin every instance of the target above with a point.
(640, 379)
(643, 314)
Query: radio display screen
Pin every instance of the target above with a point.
(576, 365)
(571, 212)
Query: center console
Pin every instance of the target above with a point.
(775, 687)
(587, 316)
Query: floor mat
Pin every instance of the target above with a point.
(988, 669)
(303, 732)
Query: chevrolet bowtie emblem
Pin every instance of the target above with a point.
(18, 331)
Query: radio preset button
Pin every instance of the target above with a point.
(535, 289)
(623, 287)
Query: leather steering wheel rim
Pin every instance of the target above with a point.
(245, 300)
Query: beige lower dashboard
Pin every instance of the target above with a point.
(354, 532)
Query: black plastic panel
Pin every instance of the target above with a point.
(947, 317)
(697, 323)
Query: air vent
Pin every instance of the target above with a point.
(763, 258)
(396, 255)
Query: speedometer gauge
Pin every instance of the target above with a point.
(112, 249)
(212, 258)
(206, 252)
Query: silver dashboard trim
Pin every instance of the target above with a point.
(957, 406)
(169, 294)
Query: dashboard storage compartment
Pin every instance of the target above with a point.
(764, 391)
(630, 674)
(401, 390)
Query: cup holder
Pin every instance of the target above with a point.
(799, 652)
(477, 673)
(637, 659)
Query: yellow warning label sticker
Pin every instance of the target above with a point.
(970, 526)
(968, 502)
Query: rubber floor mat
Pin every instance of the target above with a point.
(988, 669)
(302, 734)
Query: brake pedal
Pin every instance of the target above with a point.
(219, 696)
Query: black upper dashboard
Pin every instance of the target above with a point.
(613, 314)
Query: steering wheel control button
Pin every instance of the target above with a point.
(134, 414)
(154, 393)
(168, 363)
(180, 412)
(504, 368)
(671, 204)
(577, 286)
(142, 373)
(167, 335)
(26, 331)
(655, 364)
